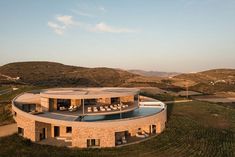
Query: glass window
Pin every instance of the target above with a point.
(90, 101)
(93, 143)
(115, 100)
(29, 107)
(68, 129)
(64, 103)
(20, 131)
(136, 97)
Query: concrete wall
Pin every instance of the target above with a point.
(45, 103)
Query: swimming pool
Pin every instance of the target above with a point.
(139, 112)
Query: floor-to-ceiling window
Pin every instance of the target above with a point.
(63, 104)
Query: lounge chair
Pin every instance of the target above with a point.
(70, 107)
(62, 108)
(95, 109)
(114, 108)
(73, 108)
(102, 109)
(124, 140)
(140, 135)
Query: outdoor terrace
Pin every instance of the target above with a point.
(99, 109)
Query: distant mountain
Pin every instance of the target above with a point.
(154, 73)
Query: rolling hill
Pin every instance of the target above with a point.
(52, 74)
(211, 81)
(55, 74)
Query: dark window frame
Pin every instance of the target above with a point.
(93, 143)
(69, 129)
(21, 131)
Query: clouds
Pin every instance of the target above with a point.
(61, 24)
(64, 22)
(56, 28)
(87, 12)
(102, 27)
(82, 13)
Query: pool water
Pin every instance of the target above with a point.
(139, 112)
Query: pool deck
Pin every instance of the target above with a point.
(79, 112)
(72, 116)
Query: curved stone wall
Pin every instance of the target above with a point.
(81, 131)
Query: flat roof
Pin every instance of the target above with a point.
(80, 93)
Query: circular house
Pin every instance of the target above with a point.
(88, 117)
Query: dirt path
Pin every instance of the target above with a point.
(6, 130)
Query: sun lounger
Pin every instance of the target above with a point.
(62, 108)
(124, 140)
(102, 109)
(140, 135)
(114, 108)
(73, 108)
(95, 109)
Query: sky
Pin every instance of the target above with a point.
(161, 35)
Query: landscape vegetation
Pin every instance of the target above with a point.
(196, 128)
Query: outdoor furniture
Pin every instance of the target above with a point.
(102, 108)
(70, 108)
(73, 108)
(89, 110)
(108, 109)
(140, 135)
(146, 134)
(114, 108)
(95, 109)
(62, 108)
(124, 140)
